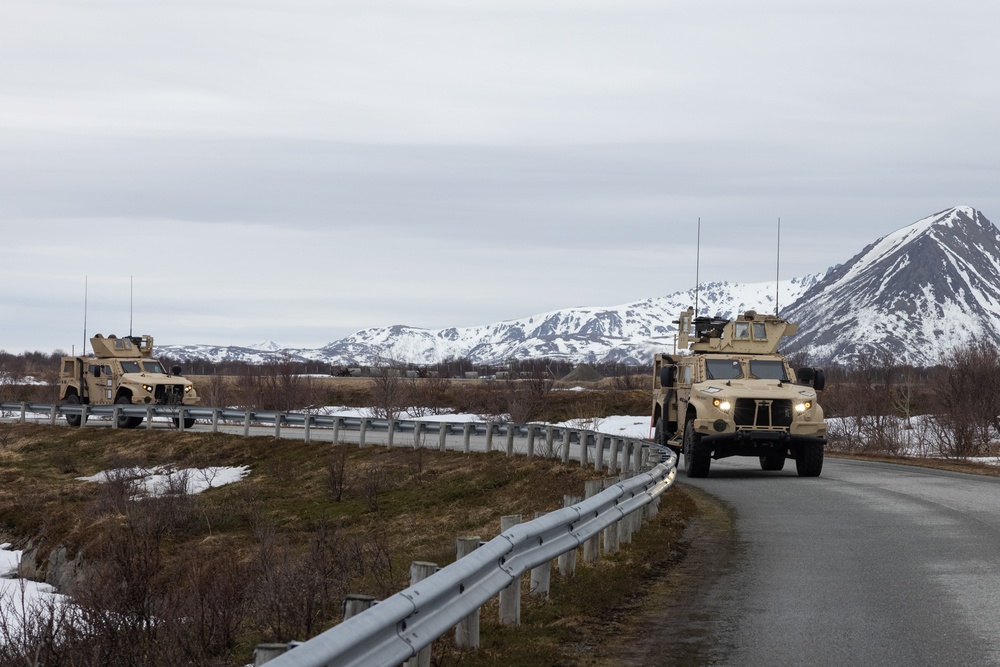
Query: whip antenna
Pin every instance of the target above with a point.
(697, 268)
(85, 278)
(777, 270)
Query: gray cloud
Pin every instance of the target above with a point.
(298, 170)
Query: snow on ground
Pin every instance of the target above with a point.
(154, 482)
(19, 596)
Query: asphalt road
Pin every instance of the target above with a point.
(869, 564)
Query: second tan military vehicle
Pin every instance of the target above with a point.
(122, 371)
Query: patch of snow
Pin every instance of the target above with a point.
(156, 482)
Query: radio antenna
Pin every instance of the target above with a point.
(697, 269)
(777, 270)
(130, 306)
(85, 278)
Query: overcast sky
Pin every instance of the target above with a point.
(296, 170)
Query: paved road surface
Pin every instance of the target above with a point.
(870, 564)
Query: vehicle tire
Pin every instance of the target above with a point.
(697, 457)
(809, 459)
(73, 420)
(188, 422)
(773, 462)
(123, 421)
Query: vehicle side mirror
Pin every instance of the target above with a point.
(176, 370)
(819, 379)
(667, 374)
(806, 375)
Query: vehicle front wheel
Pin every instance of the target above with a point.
(809, 459)
(75, 419)
(773, 461)
(123, 421)
(697, 457)
(188, 422)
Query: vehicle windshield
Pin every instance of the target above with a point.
(130, 367)
(723, 369)
(768, 369)
(153, 367)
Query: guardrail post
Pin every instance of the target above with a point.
(364, 430)
(115, 411)
(627, 456)
(336, 430)
(181, 415)
(149, 417)
(265, 653)
(592, 547)
(613, 456)
(443, 436)
(306, 423)
(215, 420)
(510, 439)
(565, 445)
(467, 631)
(612, 532)
(83, 413)
(24, 412)
(489, 436)
(246, 424)
(510, 597)
(420, 570)
(418, 429)
(391, 433)
(598, 452)
(584, 437)
(549, 437)
(541, 576)
(531, 441)
(637, 451)
(277, 425)
(567, 561)
(52, 415)
(466, 435)
(354, 604)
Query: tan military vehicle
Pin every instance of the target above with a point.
(122, 370)
(730, 393)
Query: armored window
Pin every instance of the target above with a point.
(68, 367)
(742, 330)
(153, 367)
(759, 331)
(768, 369)
(118, 344)
(128, 343)
(685, 375)
(130, 366)
(723, 369)
(107, 370)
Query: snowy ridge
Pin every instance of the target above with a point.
(911, 296)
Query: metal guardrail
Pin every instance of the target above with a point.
(397, 628)
(308, 421)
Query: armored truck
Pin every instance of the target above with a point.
(122, 370)
(727, 391)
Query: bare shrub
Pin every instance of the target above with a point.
(389, 392)
(967, 399)
(337, 472)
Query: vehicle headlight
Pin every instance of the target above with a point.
(802, 407)
(148, 388)
(722, 404)
(188, 388)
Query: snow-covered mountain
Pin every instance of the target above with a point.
(912, 295)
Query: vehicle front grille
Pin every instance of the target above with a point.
(169, 394)
(763, 414)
